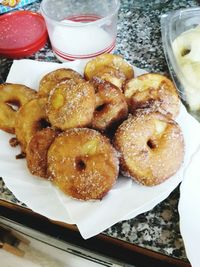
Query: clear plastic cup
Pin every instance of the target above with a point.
(81, 29)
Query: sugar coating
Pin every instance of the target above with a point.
(108, 60)
(115, 108)
(147, 155)
(12, 94)
(37, 149)
(51, 79)
(77, 107)
(152, 90)
(101, 164)
(28, 120)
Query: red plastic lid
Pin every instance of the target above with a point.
(22, 33)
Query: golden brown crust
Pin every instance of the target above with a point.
(12, 95)
(71, 105)
(152, 90)
(82, 163)
(110, 105)
(151, 147)
(31, 118)
(109, 67)
(51, 79)
(112, 75)
(36, 152)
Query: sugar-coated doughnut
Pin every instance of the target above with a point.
(109, 67)
(12, 97)
(151, 147)
(71, 105)
(31, 118)
(152, 90)
(83, 163)
(110, 105)
(51, 79)
(36, 151)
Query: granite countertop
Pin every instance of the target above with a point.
(138, 41)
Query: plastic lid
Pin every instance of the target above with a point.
(22, 33)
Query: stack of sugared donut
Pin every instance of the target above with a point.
(79, 131)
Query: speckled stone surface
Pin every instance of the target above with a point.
(138, 41)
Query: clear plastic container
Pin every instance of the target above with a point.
(81, 29)
(181, 42)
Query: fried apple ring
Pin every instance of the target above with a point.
(71, 105)
(83, 163)
(110, 108)
(109, 67)
(36, 151)
(51, 79)
(30, 119)
(12, 95)
(151, 147)
(152, 90)
(111, 75)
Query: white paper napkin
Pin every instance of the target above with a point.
(189, 210)
(126, 200)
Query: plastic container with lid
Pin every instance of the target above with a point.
(22, 33)
(181, 42)
(81, 29)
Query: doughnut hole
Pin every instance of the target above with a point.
(80, 164)
(83, 163)
(151, 147)
(151, 144)
(15, 104)
(41, 124)
(102, 107)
